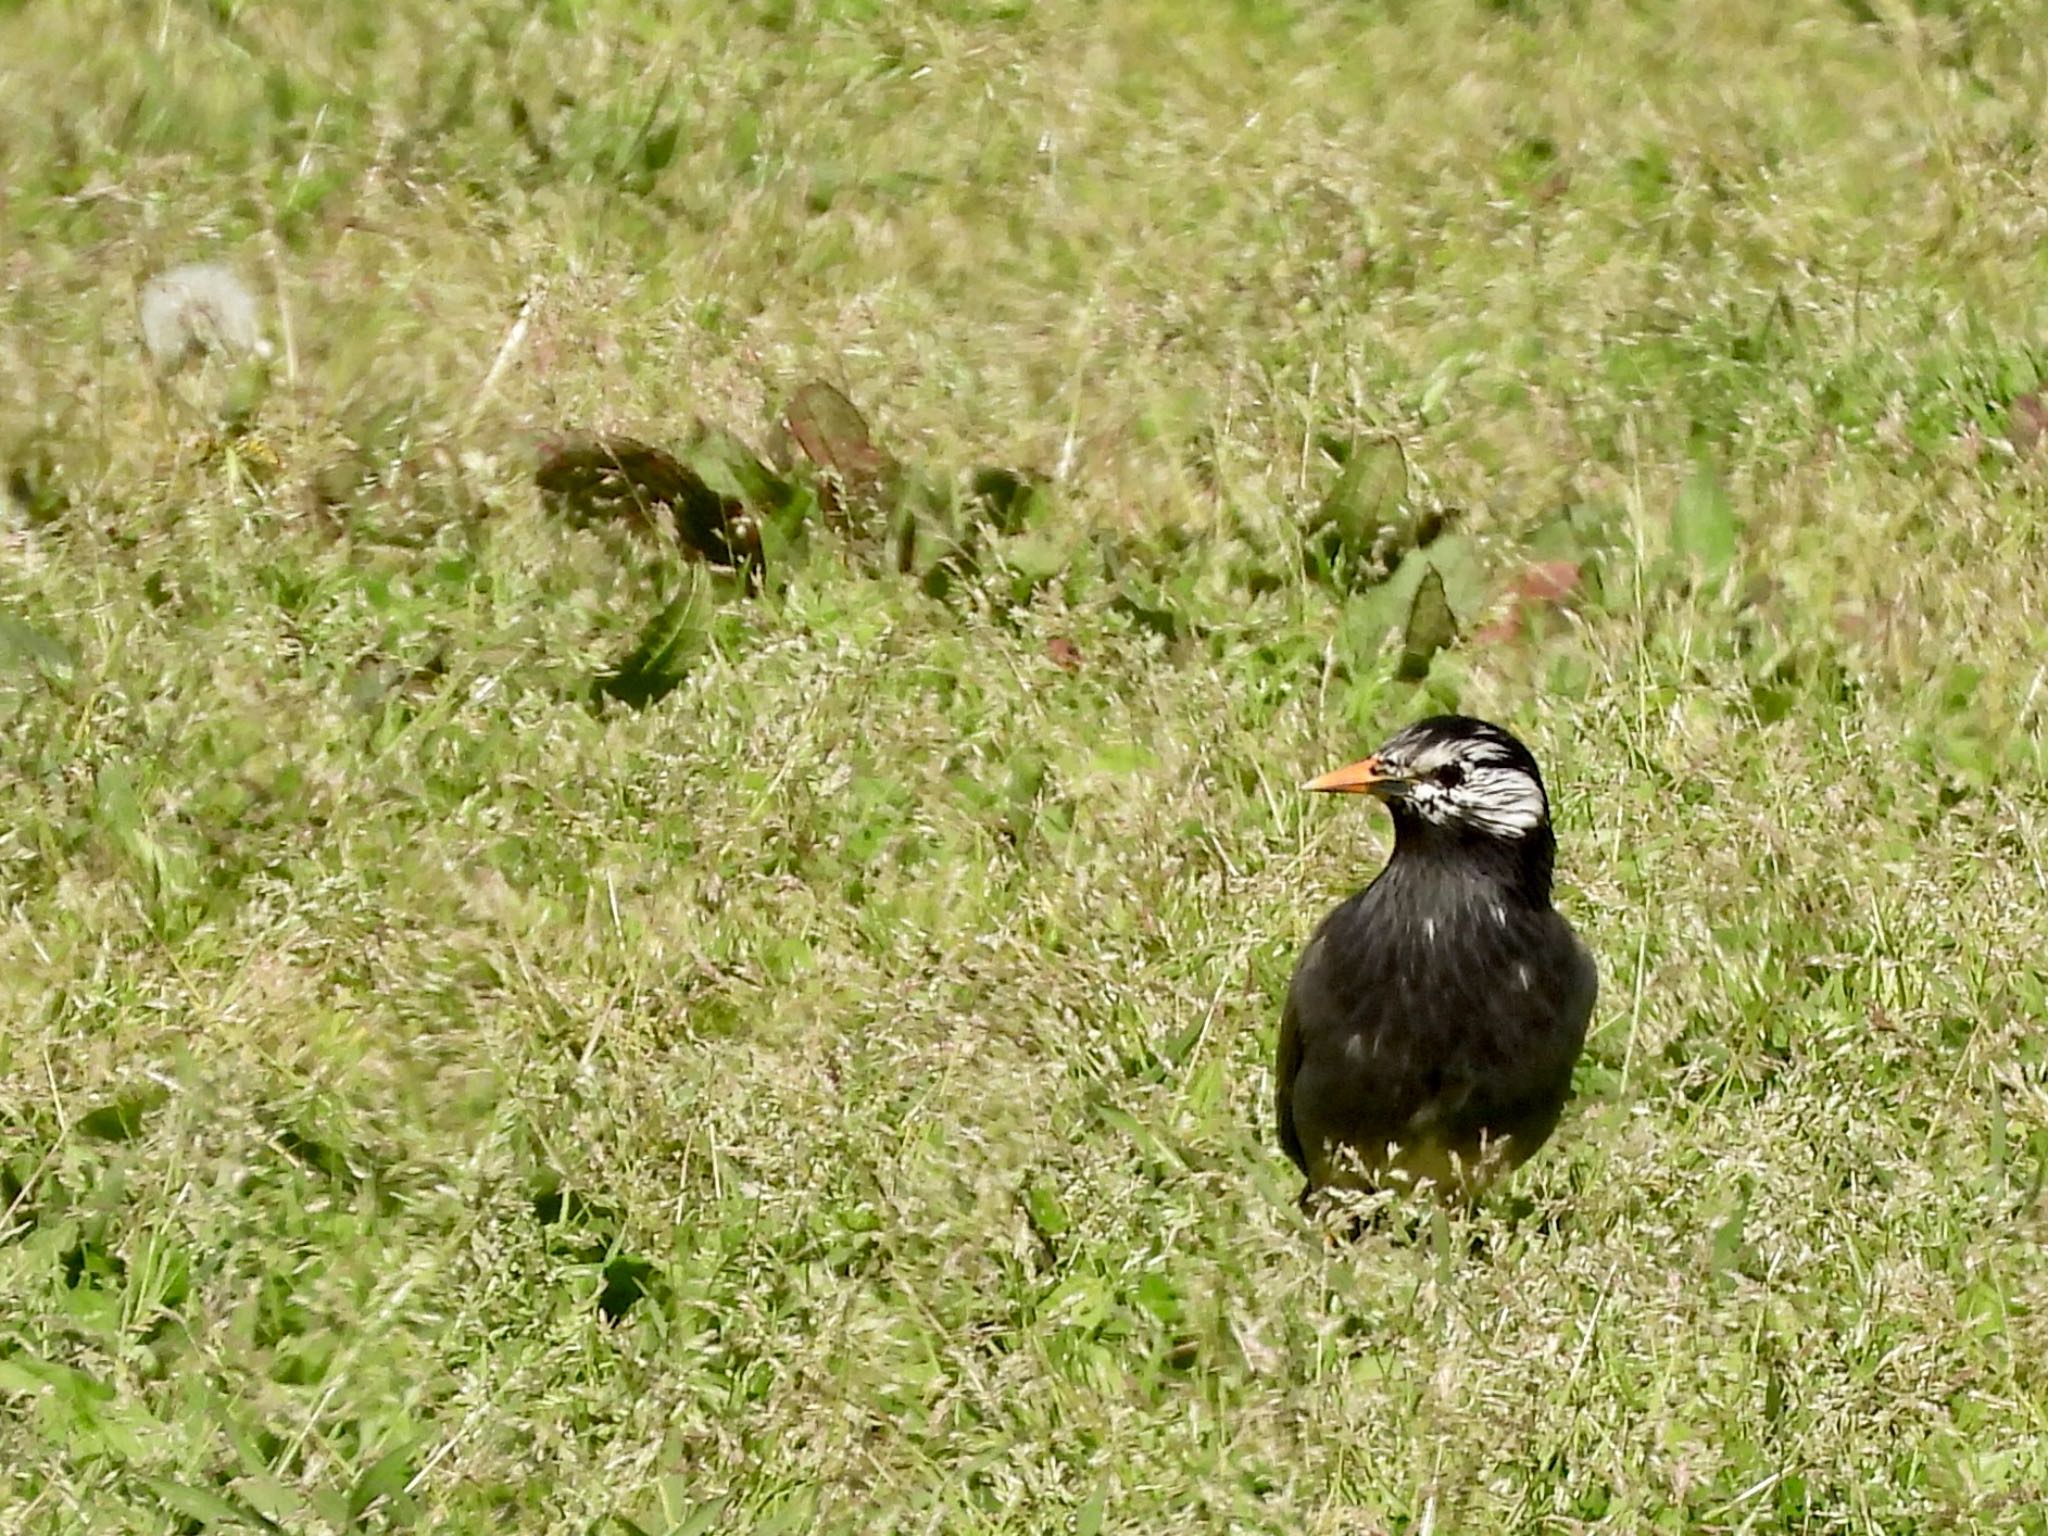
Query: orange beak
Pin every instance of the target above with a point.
(1369, 777)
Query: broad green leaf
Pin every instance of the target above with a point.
(120, 812)
(1042, 1203)
(23, 643)
(1034, 559)
(202, 1504)
(384, 1478)
(1155, 1293)
(1365, 498)
(122, 1119)
(672, 639)
(1431, 627)
(1704, 524)
(16, 1375)
(271, 1499)
(730, 468)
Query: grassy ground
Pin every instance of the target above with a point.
(835, 1097)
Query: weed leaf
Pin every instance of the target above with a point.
(1704, 525)
(671, 640)
(834, 436)
(23, 643)
(1360, 509)
(595, 478)
(1431, 627)
(204, 1505)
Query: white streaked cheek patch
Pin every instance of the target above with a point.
(1503, 800)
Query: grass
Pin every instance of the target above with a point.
(835, 1096)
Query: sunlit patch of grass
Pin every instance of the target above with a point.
(835, 1095)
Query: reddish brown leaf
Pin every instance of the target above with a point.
(834, 436)
(2027, 427)
(1546, 583)
(622, 477)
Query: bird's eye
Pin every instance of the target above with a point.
(1450, 776)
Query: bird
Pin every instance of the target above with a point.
(1434, 1018)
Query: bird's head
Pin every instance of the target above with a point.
(1454, 779)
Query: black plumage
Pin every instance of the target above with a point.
(1435, 1017)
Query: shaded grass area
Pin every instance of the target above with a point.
(835, 1096)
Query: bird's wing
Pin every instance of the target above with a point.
(1286, 1065)
(1583, 993)
(1522, 1090)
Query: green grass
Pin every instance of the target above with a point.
(835, 1097)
